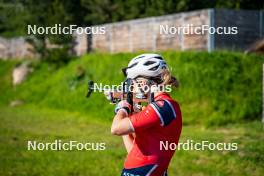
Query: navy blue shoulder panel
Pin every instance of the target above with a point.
(165, 111)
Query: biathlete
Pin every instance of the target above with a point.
(160, 122)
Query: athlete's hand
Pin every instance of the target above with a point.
(124, 106)
(109, 96)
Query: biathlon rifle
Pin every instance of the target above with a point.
(134, 98)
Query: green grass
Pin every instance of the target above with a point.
(27, 124)
(220, 97)
(18, 125)
(216, 88)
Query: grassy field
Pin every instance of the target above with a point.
(21, 124)
(220, 97)
(216, 88)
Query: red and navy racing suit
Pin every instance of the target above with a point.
(160, 121)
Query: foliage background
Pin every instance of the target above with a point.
(16, 14)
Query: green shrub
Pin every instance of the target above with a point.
(58, 56)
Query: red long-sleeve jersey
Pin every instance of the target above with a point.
(158, 125)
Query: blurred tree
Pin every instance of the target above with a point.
(12, 18)
(50, 13)
(15, 15)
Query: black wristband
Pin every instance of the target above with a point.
(127, 110)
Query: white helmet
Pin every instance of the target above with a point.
(145, 65)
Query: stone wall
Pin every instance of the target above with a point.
(144, 34)
(15, 48)
(80, 44)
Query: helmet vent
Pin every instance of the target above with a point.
(139, 57)
(132, 65)
(149, 63)
(158, 57)
(154, 68)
